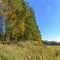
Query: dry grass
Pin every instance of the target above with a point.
(28, 50)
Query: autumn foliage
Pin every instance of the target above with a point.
(20, 19)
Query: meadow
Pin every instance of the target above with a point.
(29, 50)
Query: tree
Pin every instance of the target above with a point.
(21, 22)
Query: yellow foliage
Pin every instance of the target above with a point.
(13, 33)
(6, 12)
(21, 26)
(13, 16)
(15, 21)
(38, 39)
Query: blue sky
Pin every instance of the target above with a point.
(47, 14)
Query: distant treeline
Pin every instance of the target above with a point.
(51, 42)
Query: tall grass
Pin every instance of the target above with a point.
(28, 50)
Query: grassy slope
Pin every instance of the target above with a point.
(28, 50)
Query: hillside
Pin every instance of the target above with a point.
(28, 50)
